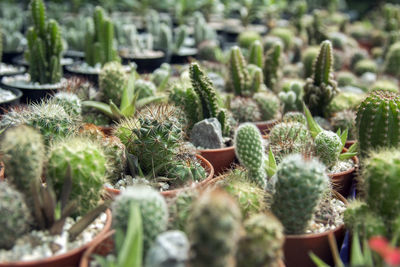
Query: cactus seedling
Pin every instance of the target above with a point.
(292, 98)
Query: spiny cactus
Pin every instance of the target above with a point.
(246, 38)
(308, 57)
(210, 51)
(99, 39)
(202, 31)
(15, 217)
(250, 152)
(180, 208)
(161, 76)
(153, 209)
(70, 102)
(145, 88)
(214, 246)
(321, 88)
(300, 186)
(345, 119)
(23, 155)
(112, 81)
(377, 121)
(292, 98)
(271, 67)
(245, 109)
(328, 147)
(44, 47)
(262, 243)
(256, 54)
(286, 35)
(295, 117)
(268, 104)
(392, 60)
(88, 166)
(365, 65)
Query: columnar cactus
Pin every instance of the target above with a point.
(377, 121)
(88, 166)
(256, 54)
(250, 152)
(99, 39)
(153, 209)
(300, 186)
(271, 66)
(308, 58)
(112, 81)
(321, 88)
(392, 60)
(15, 217)
(262, 243)
(44, 47)
(214, 246)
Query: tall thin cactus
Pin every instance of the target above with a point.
(272, 65)
(256, 54)
(44, 46)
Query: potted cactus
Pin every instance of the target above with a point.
(45, 72)
(6, 69)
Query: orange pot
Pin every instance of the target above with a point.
(221, 158)
(266, 126)
(102, 247)
(171, 193)
(69, 259)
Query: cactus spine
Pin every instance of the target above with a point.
(321, 88)
(214, 246)
(378, 121)
(44, 47)
(300, 185)
(250, 152)
(271, 66)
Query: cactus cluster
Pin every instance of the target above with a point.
(377, 121)
(216, 245)
(292, 97)
(245, 109)
(321, 88)
(44, 47)
(99, 39)
(153, 209)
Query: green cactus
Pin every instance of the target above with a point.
(316, 31)
(346, 78)
(321, 88)
(183, 170)
(160, 76)
(256, 54)
(391, 60)
(245, 109)
(88, 165)
(268, 104)
(99, 39)
(145, 88)
(343, 101)
(210, 51)
(246, 38)
(262, 243)
(286, 35)
(328, 147)
(153, 209)
(44, 47)
(308, 57)
(202, 32)
(384, 84)
(214, 246)
(112, 81)
(345, 119)
(180, 36)
(365, 65)
(271, 67)
(70, 102)
(250, 152)
(299, 188)
(377, 121)
(294, 117)
(180, 208)
(23, 154)
(15, 217)
(292, 98)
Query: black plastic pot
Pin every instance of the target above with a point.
(92, 77)
(145, 64)
(183, 56)
(76, 55)
(7, 104)
(20, 70)
(9, 56)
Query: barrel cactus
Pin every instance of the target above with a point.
(300, 185)
(328, 147)
(268, 104)
(378, 121)
(245, 109)
(153, 209)
(112, 81)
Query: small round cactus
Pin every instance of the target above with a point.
(286, 35)
(345, 119)
(246, 38)
(15, 217)
(112, 80)
(88, 164)
(153, 209)
(145, 88)
(392, 60)
(294, 117)
(214, 229)
(299, 188)
(365, 65)
(180, 207)
(268, 105)
(70, 102)
(245, 109)
(328, 147)
(262, 244)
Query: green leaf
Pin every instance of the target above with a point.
(313, 126)
(343, 138)
(115, 110)
(100, 106)
(317, 260)
(271, 164)
(129, 91)
(131, 108)
(357, 257)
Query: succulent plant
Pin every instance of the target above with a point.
(245, 109)
(161, 76)
(344, 101)
(246, 38)
(392, 59)
(262, 243)
(23, 154)
(268, 104)
(112, 81)
(308, 57)
(286, 35)
(180, 208)
(145, 88)
(70, 102)
(345, 119)
(271, 67)
(377, 121)
(256, 54)
(99, 39)
(365, 65)
(44, 47)
(300, 186)
(250, 152)
(294, 116)
(316, 30)
(15, 217)
(321, 88)
(153, 210)
(87, 164)
(202, 31)
(292, 98)
(217, 245)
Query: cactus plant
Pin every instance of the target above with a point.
(15, 217)
(292, 98)
(392, 59)
(321, 88)
(99, 39)
(23, 154)
(256, 54)
(286, 35)
(246, 38)
(145, 88)
(300, 186)
(153, 210)
(216, 245)
(202, 32)
(44, 47)
(308, 57)
(112, 79)
(271, 67)
(365, 65)
(343, 120)
(70, 102)
(295, 117)
(268, 104)
(250, 152)
(377, 121)
(245, 109)
(88, 166)
(262, 243)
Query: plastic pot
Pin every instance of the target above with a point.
(183, 56)
(146, 64)
(171, 193)
(7, 104)
(69, 259)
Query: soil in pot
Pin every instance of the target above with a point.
(9, 98)
(266, 126)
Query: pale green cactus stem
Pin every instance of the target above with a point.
(256, 54)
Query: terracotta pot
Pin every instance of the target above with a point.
(102, 247)
(221, 159)
(342, 181)
(69, 259)
(171, 193)
(266, 126)
(297, 247)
